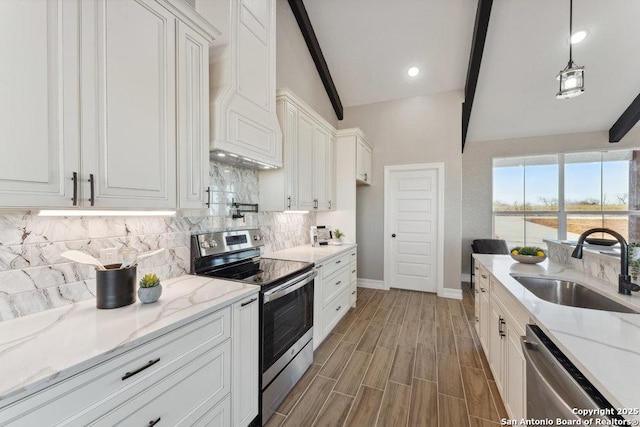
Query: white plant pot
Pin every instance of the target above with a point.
(149, 295)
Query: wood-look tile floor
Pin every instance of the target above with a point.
(400, 358)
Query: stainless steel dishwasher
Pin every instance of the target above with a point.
(555, 387)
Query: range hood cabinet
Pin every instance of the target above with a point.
(242, 82)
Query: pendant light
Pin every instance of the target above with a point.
(572, 77)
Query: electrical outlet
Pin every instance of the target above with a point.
(109, 256)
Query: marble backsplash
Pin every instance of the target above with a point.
(601, 266)
(33, 276)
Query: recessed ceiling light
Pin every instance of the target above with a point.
(413, 71)
(578, 36)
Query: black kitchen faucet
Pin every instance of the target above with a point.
(625, 286)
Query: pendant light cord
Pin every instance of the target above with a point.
(570, 32)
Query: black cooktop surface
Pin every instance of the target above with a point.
(261, 271)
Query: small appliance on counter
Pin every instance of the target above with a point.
(320, 235)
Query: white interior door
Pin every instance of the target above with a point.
(413, 246)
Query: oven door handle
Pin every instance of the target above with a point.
(289, 287)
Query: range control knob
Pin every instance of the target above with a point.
(257, 237)
(204, 244)
(213, 243)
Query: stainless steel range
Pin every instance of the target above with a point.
(286, 309)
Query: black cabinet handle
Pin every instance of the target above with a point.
(338, 282)
(152, 422)
(75, 189)
(137, 371)
(353, 271)
(338, 309)
(353, 293)
(91, 190)
(289, 202)
(501, 323)
(339, 261)
(248, 302)
(208, 191)
(393, 235)
(365, 176)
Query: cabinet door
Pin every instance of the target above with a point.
(306, 162)
(515, 380)
(193, 117)
(496, 347)
(128, 104)
(360, 158)
(246, 349)
(367, 165)
(322, 167)
(318, 285)
(485, 314)
(291, 165)
(39, 42)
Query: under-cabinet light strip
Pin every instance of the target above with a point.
(87, 212)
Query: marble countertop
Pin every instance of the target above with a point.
(308, 253)
(604, 345)
(41, 349)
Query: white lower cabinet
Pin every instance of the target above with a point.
(501, 323)
(245, 354)
(185, 377)
(334, 293)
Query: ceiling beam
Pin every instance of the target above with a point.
(300, 12)
(626, 121)
(475, 59)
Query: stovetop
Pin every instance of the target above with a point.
(260, 271)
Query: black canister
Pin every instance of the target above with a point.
(115, 287)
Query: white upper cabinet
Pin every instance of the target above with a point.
(243, 76)
(97, 123)
(128, 103)
(39, 43)
(193, 118)
(363, 160)
(307, 180)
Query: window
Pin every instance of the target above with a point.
(533, 201)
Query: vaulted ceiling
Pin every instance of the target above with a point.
(369, 45)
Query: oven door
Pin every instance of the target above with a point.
(287, 321)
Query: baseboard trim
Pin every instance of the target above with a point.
(451, 293)
(372, 284)
(465, 277)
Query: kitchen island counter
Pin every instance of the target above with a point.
(604, 345)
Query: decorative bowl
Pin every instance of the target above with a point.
(528, 259)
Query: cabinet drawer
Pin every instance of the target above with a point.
(518, 313)
(334, 284)
(353, 271)
(334, 311)
(180, 397)
(353, 294)
(482, 277)
(333, 264)
(112, 379)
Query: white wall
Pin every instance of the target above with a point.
(477, 173)
(294, 66)
(423, 129)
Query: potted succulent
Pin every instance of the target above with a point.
(150, 288)
(337, 235)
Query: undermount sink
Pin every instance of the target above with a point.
(573, 294)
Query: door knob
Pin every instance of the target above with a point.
(393, 235)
